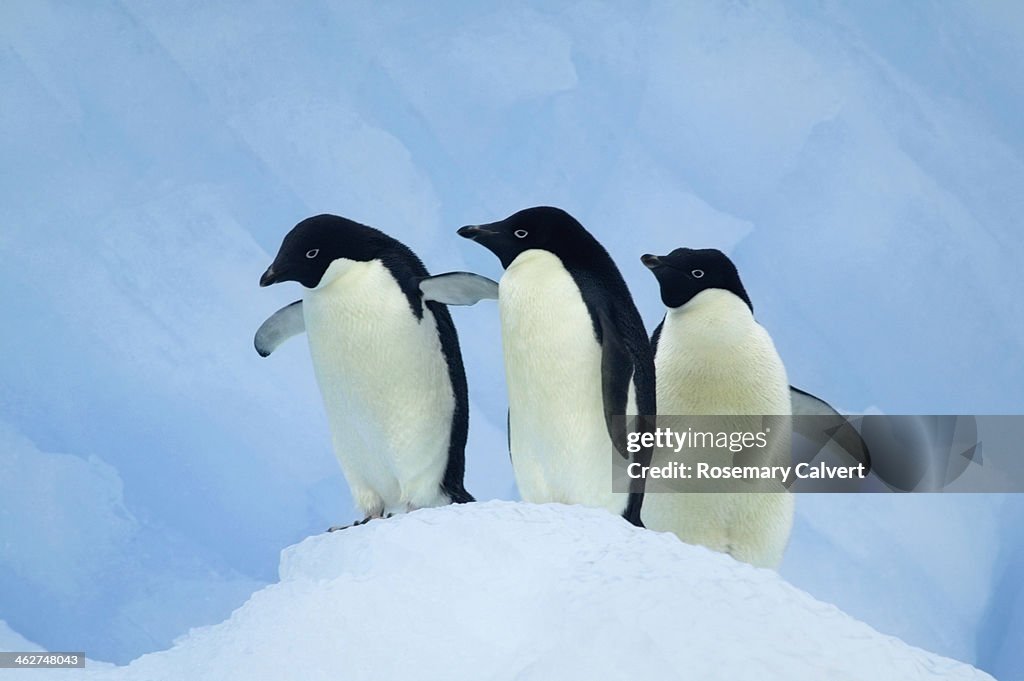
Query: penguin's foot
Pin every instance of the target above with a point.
(335, 528)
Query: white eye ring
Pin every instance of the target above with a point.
(312, 253)
(520, 233)
(697, 274)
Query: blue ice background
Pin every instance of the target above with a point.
(862, 163)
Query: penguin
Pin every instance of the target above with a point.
(713, 358)
(576, 356)
(386, 357)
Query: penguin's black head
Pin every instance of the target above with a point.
(685, 272)
(317, 242)
(543, 227)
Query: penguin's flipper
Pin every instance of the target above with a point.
(806, 404)
(616, 372)
(458, 288)
(279, 327)
(831, 426)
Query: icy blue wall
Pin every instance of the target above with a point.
(862, 164)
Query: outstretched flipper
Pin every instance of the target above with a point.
(279, 327)
(830, 426)
(458, 288)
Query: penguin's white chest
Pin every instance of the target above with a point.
(713, 358)
(385, 386)
(561, 451)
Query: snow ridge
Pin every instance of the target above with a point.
(504, 590)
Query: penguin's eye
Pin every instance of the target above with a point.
(697, 274)
(312, 253)
(520, 233)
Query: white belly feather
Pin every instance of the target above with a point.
(561, 451)
(713, 358)
(385, 387)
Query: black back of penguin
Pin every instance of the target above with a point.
(308, 251)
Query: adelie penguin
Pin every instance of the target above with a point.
(576, 357)
(386, 357)
(713, 358)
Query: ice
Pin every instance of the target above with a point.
(505, 590)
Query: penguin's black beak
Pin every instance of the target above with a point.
(650, 261)
(494, 238)
(475, 232)
(269, 277)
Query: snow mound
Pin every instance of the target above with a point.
(504, 590)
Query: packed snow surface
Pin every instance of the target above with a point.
(505, 590)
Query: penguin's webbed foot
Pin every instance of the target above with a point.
(335, 528)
